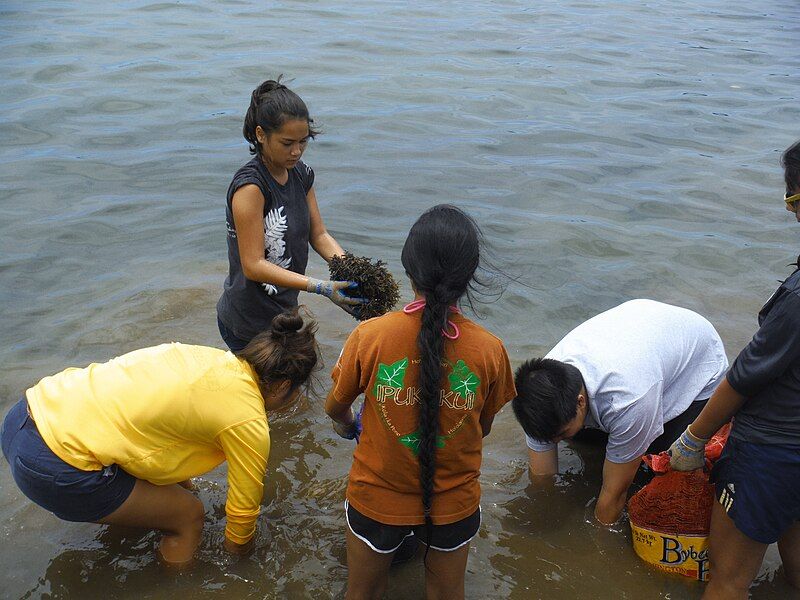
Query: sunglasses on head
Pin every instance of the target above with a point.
(791, 200)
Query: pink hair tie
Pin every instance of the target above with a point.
(416, 305)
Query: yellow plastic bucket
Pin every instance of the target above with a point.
(686, 555)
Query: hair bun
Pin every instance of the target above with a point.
(287, 322)
(265, 87)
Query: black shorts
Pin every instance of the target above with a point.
(757, 486)
(235, 344)
(385, 539)
(67, 492)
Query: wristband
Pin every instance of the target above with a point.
(692, 442)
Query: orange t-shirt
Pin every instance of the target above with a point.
(380, 359)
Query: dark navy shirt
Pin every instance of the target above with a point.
(767, 371)
(247, 307)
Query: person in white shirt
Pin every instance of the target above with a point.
(639, 372)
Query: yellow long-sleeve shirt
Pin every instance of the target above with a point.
(163, 414)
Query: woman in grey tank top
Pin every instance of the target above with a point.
(272, 216)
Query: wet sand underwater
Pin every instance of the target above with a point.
(609, 151)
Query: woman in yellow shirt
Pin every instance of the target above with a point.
(116, 443)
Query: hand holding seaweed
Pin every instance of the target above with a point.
(335, 291)
(375, 283)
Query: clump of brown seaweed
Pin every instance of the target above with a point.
(375, 283)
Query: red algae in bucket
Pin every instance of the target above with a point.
(671, 515)
(676, 502)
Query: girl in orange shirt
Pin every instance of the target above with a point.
(432, 382)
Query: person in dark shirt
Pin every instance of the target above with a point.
(757, 478)
(272, 216)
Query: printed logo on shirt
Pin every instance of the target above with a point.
(391, 376)
(275, 226)
(389, 390)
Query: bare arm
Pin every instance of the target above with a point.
(720, 408)
(338, 411)
(774, 348)
(543, 463)
(323, 242)
(617, 478)
(248, 218)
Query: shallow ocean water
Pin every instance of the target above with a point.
(609, 150)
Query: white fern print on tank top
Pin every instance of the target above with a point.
(275, 244)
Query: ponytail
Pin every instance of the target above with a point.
(271, 105)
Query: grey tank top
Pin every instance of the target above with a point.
(247, 307)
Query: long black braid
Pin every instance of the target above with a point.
(431, 346)
(441, 256)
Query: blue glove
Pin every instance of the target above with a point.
(335, 291)
(688, 452)
(351, 431)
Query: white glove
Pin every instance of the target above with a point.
(688, 452)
